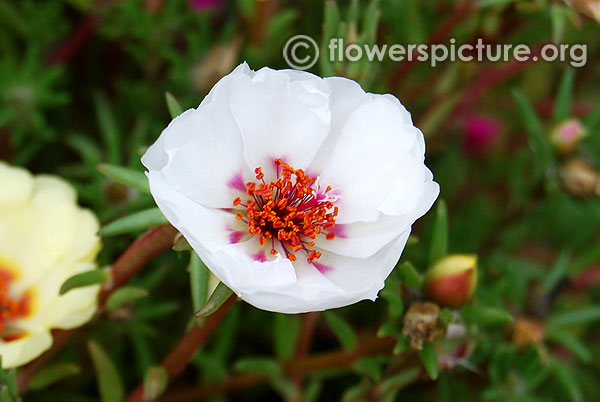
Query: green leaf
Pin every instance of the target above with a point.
(50, 375)
(439, 239)
(446, 317)
(391, 293)
(331, 19)
(123, 295)
(8, 384)
(108, 127)
(198, 281)
(429, 358)
(129, 177)
(409, 275)
(370, 22)
(155, 382)
(108, 378)
(88, 278)
(562, 107)
(401, 346)
(5, 395)
(389, 329)
(342, 330)
(266, 366)
(592, 121)
(535, 131)
(286, 333)
(557, 272)
(173, 106)
(370, 366)
(567, 380)
(216, 300)
(485, 315)
(312, 391)
(570, 342)
(578, 317)
(135, 222)
(399, 380)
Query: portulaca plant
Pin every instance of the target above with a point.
(298, 192)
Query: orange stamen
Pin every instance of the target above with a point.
(292, 210)
(11, 308)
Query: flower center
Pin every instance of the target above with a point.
(11, 308)
(292, 210)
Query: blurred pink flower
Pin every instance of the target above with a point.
(480, 133)
(205, 5)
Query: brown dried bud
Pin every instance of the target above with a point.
(217, 63)
(528, 331)
(421, 324)
(591, 8)
(580, 178)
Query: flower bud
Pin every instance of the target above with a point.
(205, 5)
(451, 280)
(566, 136)
(591, 8)
(481, 133)
(580, 178)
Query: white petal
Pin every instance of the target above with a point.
(235, 266)
(373, 159)
(281, 118)
(207, 226)
(348, 281)
(21, 351)
(346, 96)
(16, 184)
(200, 152)
(363, 239)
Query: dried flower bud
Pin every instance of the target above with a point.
(566, 136)
(527, 331)
(580, 178)
(219, 61)
(452, 280)
(421, 324)
(591, 8)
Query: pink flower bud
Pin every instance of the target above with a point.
(481, 133)
(567, 135)
(205, 5)
(452, 280)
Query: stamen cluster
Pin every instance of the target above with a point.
(293, 210)
(10, 308)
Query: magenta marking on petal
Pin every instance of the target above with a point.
(237, 182)
(235, 236)
(340, 231)
(259, 256)
(322, 267)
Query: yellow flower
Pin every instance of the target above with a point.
(45, 238)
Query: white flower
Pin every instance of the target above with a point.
(298, 192)
(45, 238)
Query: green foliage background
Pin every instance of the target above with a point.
(82, 82)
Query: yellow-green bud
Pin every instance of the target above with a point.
(452, 280)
